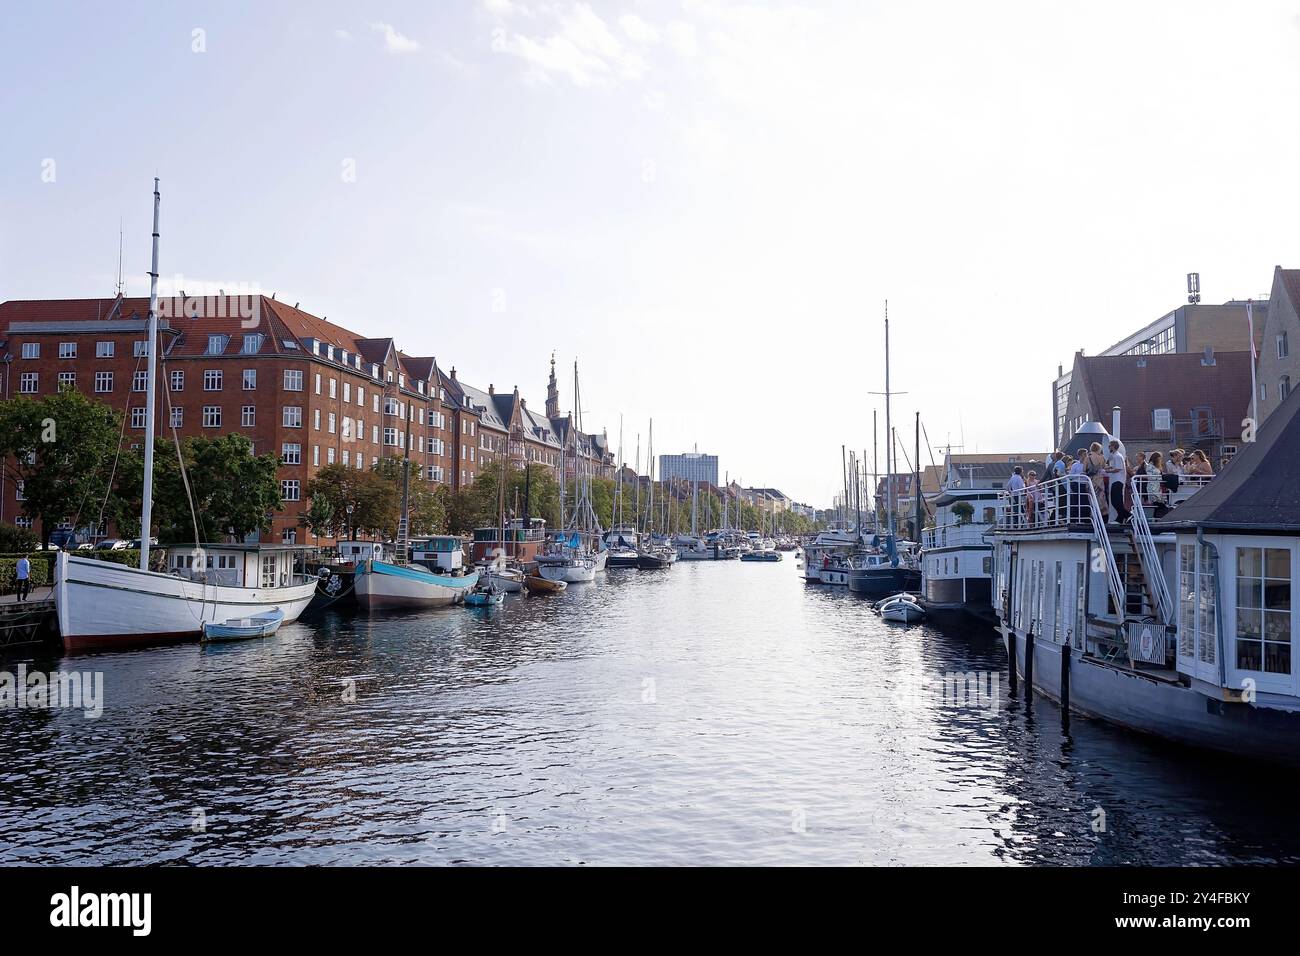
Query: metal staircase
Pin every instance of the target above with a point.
(1114, 580)
(1155, 588)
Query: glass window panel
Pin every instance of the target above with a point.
(1249, 562)
(1277, 562)
(1277, 595)
(1248, 594)
(1277, 658)
(1277, 626)
(1248, 655)
(1248, 624)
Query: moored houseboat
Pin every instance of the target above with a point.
(1182, 629)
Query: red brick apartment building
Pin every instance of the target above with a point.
(296, 385)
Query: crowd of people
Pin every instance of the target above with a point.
(1110, 472)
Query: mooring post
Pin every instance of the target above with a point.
(1011, 660)
(1029, 667)
(1065, 686)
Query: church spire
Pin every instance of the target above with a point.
(552, 393)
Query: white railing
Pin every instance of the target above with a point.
(955, 534)
(1147, 553)
(1058, 503)
(1063, 503)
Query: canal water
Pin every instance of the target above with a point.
(714, 713)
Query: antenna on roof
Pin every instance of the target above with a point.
(119, 256)
(1193, 288)
(295, 305)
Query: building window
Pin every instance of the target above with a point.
(21, 495)
(138, 417)
(315, 419)
(390, 436)
(332, 421)
(289, 536)
(105, 349)
(68, 378)
(334, 388)
(293, 380)
(217, 344)
(289, 489)
(103, 381)
(1264, 610)
(212, 380)
(375, 398)
(139, 348)
(211, 416)
(291, 453)
(1283, 387)
(28, 382)
(178, 380)
(252, 343)
(292, 417)
(140, 382)
(329, 455)
(347, 458)
(178, 416)
(315, 455)
(248, 416)
(1283, 349)
(347, 391)
(31, 350)
(67, 350)
(250, 379)
(361, 396)
(318, 383)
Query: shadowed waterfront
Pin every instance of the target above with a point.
(712, 713)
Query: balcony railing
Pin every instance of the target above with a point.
(955, 534)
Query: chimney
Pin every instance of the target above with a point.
(1114, 423)
(453, 373)
(491, 388)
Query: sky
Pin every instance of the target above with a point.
(706, 204)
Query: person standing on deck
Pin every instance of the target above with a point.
(1014, 486)
(1075, 490)
(23, 573)
(1116, 473)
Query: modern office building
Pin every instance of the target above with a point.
(690, 466)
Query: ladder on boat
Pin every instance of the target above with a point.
(1114, 580)
(1144, 546)
(402, 549)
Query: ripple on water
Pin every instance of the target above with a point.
(711, 714)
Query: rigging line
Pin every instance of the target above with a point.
(180, 460)
(103, 506)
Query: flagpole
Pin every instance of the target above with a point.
(1254, 359)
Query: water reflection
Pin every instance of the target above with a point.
(713, 713)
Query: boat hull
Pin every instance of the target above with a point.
(878, 582)
(621, 559)
(102, 605)
(383, 586)
(1173, 712)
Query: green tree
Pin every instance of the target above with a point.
(359, 501)
(61, 448)
(15, 540)
(477, 506)
(426, 502)
(234, 491)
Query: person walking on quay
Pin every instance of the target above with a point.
(23, 574)
(1014, 487)
(1116, 473)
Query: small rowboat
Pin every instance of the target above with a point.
(761, 556)
(902, 609)
(243, 628)
(540, 585)
(484, 598)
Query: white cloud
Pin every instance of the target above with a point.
(342, 34)
(394, 42)
(637, 29)
(579, 46)
(682, 37)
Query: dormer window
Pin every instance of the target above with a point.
(217, 344)
(252, 343)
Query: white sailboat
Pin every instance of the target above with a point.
(106, 605)
(577, 554)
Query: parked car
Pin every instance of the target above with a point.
(111, 544)
(135, 544)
